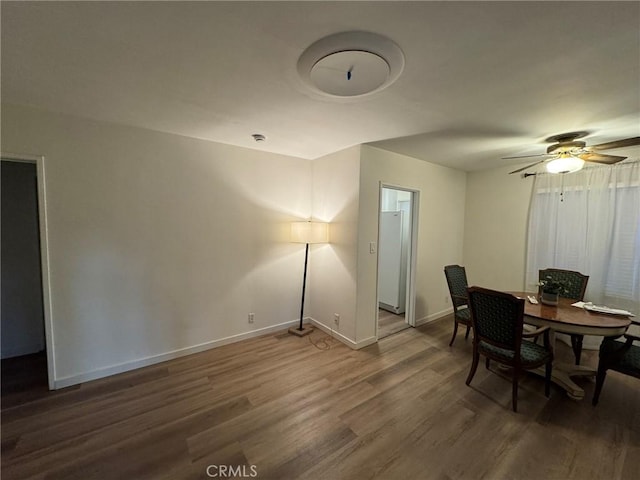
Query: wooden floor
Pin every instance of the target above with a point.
(286, 407)
(390, 323)
(24, 379)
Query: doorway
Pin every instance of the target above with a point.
(396, 259)
(25, 356)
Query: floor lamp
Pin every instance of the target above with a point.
(307, 233)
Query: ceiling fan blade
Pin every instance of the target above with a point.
(627, 142)
(600, 158)
(528, 156)
(528, 166)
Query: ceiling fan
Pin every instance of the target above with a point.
(567, 154)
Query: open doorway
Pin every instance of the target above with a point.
(25, 369)
(396, 259)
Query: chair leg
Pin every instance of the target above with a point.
(600, 376)
(455, 332)
(576, 345)
(547, 379)
(466, 335)
(474, 366)
(514, 390)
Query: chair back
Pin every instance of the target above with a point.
(576, 282)
(457, 282)
(496, 318)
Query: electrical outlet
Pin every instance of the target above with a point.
(251, 315)
(336, 319)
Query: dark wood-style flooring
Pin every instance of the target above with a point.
(390, 323)
(311, 408)
(23, 379)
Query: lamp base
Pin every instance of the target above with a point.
(306, 330)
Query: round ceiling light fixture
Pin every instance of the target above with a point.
(351, 64)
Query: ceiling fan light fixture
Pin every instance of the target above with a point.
(568, 155)
(565, 163)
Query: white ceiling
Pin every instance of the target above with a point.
(482, 80)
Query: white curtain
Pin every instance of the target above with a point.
(589, 221)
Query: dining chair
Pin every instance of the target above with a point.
(457, 282)
(497, 320)
(576, 284)
(618, 354)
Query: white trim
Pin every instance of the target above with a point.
(434, 316)
(17, 350)
(347, 341)
(39, 160)
(163, 357)
(413, 252)
(410, 304)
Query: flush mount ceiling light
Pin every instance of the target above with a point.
(350, 64)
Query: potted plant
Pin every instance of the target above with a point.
(551, 290)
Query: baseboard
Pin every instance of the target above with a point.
(163, 357)
(346, 340)
(434, 316)
(390, 308)
(21, 350)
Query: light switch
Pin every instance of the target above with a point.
(372, 247)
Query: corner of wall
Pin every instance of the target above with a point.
(333, 268)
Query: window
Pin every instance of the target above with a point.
(589, 221)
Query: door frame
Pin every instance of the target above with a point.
(412, 262)
(39, 161)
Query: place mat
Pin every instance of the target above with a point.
(602, 309)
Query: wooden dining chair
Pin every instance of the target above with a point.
(576, 284)
(456, 276)
(497, 320)
(619, 354)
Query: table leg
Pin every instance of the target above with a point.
(561, 376)
(562, 373)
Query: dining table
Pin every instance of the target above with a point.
(569, 319)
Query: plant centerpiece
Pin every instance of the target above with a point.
(551, 290)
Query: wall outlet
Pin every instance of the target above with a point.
(251, 315)
(336, 319)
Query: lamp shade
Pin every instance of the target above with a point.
(565, 164)
(309, 232)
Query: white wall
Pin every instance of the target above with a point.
(333, 267)
(440, 233)
(495, 231)
(159, 244)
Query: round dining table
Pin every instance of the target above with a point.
(569, 319)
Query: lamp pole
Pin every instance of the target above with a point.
(307, 233)
(304, 285)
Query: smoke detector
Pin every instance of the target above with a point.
(350, 64)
